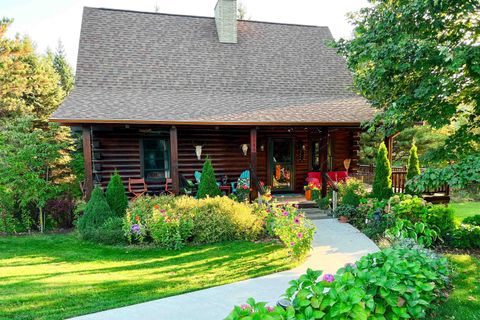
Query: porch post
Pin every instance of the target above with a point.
(323, 149)
(253, 163)
(87, 160)
(389, 144)
(174, 160)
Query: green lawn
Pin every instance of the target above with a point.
(464, 301)
(465, 209)
(58, 276)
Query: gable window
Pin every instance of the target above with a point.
(155, 159)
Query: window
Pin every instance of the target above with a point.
(155, 159)
(316, 165)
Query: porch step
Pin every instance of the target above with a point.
(316, 214)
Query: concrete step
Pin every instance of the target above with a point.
(316, 214)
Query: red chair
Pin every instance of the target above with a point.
(137, 187)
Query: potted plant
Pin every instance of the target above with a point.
(344, 212)
(310, 190)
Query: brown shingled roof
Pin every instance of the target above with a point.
(148, 67)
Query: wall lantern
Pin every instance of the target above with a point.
(262, 147)
(244, 148)
(198, 151)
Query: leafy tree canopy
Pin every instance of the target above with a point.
(28, 82)
(419, 61)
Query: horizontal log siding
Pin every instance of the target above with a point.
(119, 148)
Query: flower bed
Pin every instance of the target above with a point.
(405, 281)
(174, 222)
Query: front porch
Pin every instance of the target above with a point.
(278, 156)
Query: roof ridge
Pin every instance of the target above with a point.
(204, 17)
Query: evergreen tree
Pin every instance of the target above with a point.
(115, 194)
(63, 69)
(413, 163)
(382, 182)
(96, 214)
(208, 185)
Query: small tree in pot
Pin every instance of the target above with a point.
(344, 212)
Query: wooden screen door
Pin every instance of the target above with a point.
(281, 164)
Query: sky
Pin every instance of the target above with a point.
(48, 21)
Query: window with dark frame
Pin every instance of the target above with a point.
(155, 159)
(316, 156)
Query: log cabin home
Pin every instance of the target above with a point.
(156, 93)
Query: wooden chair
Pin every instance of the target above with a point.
(137, 187)
(168, 182)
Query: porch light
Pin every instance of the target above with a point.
(198, 151)
(244, 148)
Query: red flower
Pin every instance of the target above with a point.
(137, 218)
(156, 207)
(244, 187)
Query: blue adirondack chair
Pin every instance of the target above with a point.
(245, 176)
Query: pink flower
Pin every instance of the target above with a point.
(300, 235)
(245, 306)
(296, 220)
(292, 243)
(270, 308)
(285, 213)
(296, 205)
(162, 211)
(328, 277)
(244, 187)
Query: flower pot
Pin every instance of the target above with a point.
(308, 195)
(343, 219)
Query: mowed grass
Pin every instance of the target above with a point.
(58, 276)
(464, 301)
(465, 209)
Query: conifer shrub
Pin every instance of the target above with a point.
(208, 185)
(115, 195)
(413, 168)
(97, 218)
(382, 182)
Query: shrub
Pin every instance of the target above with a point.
(96, 214)
(382, 182)
(407, 207)
(443, 218)
(413, 168)
(208, 185)
(351, 191)
(291, 227)
(466, 237)
(110, 232)
(169, 229)
(115, 195)
(395, 283)
(473, 220)
(345, 210)
(61, 210)
(420, 232)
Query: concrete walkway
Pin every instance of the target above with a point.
(335, 244)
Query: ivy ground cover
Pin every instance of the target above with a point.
(58, 276)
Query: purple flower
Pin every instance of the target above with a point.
(300, 235)
(162, 211)
(285, 213)
(135, 228)
(328, 277)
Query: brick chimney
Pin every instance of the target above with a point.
(226, 20)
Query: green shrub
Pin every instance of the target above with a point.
(208, 185)
(115, 195)
(466, 237)
(473, 220)
(345, 210)
(443, 218)
(169, 229)
(413, 168)
(95, 215)
(351, 191)
(400, 282)
(407, 207)
(291, 227)
(382, 182)
(420, 232)
(110, 232)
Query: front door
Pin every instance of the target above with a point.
(281, 164)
